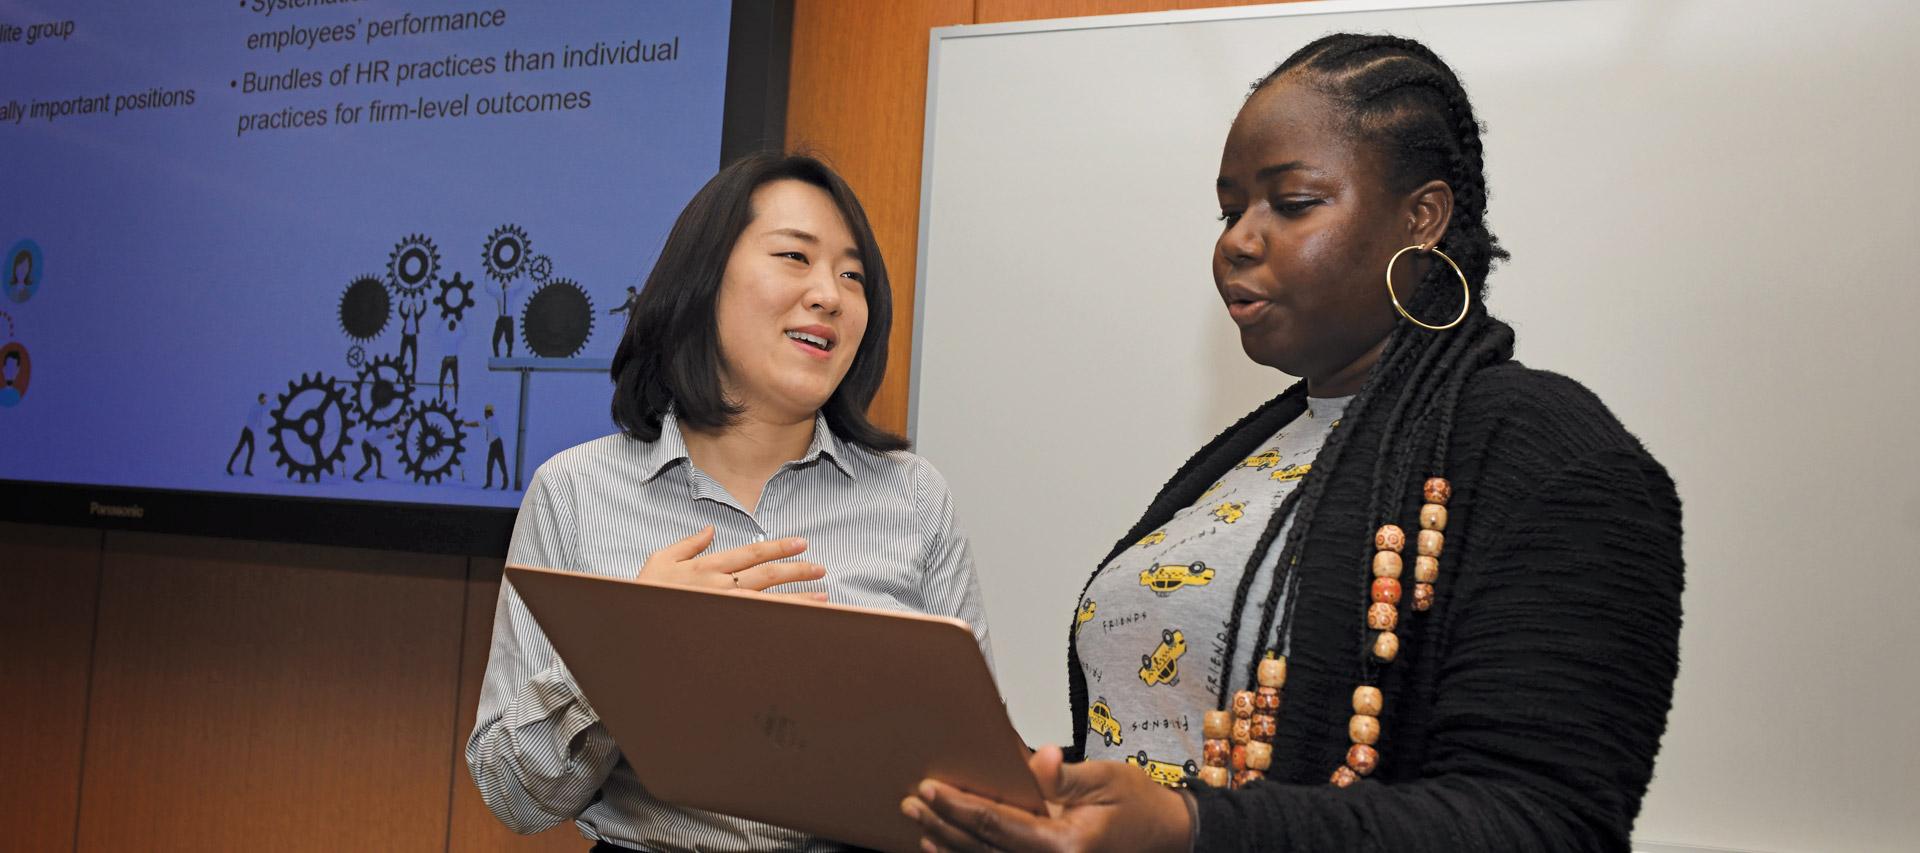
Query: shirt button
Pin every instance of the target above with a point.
(759, 537)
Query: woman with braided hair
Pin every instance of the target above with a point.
(1427, 598)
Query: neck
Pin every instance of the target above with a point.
(1347, 381)
(744, 456)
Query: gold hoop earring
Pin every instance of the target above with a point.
(1466, 292)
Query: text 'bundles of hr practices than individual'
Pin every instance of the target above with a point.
(311, 64)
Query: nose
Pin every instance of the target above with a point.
(1240, 244)
(823, 292)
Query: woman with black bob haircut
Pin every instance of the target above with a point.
(670, 355)
(1440, 603)
(741, 388)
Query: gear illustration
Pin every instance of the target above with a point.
(455, 297)
(382, 395)
(413, 266)
(356, 356)
(431, 442)
(365, 308)
(538, 268)
(310, 428)
(558, 320)
(505, 253)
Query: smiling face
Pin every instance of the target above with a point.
(792, 309)
(1310, 221)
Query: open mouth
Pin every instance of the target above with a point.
(818, 342)
(1244, 311)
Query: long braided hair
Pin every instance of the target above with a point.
(1406, 104)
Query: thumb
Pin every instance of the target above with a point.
(690, 547)
(1059, 783)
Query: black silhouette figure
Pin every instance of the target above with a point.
(410, 338)
(256, 423)
(370, 457)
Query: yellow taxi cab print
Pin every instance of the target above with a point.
(1163, 666)
(1262, 461)
(1100, 720)
(1165, 772)
(1084, 615)
(1163, 580)
(1154, 538)
(1229, 512)
(1291, 472)
(1212, 489)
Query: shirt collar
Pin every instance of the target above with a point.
(824, 444)
(671, 447)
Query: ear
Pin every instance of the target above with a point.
(1429, 208)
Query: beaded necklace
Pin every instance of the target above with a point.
(1240, 737)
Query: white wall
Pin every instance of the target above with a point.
(1711, 206)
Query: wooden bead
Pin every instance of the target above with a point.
(1344, 777)
(1215, 751)
(1265, 726)
(1433, 517)
(1242, 704)
(1363, 758)
(1247, 777)
(1259, 756)
(1386, 590)
(1430, 542)
(1216, 724)
(1272, 672)
(1390, 538)
(1364, 729)
(1266, 700)
(1422, 596)
(1215, 777)
(1367, 700)
(1386, 564)
(1382, 617)
(1386, 646)
(1237, 759)
(1426, 569)
(1437, 490)
(1242, 731)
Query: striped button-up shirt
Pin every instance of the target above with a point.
(882, 523)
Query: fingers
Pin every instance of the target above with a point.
(688, 548)
(768, 575)
(749, 555)
(956, 820)
(936, 833)
(800, 596)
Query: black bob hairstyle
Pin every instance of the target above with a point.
(670, 354)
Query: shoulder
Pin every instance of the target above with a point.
(901, 473)
(603, 456)
(1525, 411)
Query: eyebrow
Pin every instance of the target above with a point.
(1265, 173)
(804, 237)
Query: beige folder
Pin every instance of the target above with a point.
(814, 716)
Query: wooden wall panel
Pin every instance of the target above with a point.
(250, 695)
(473, 828)
(857, 96)
(51, 578)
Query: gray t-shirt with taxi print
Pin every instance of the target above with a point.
(1152, 625)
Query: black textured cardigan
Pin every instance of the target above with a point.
(1525, 708)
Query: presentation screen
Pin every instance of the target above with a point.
(369, 252)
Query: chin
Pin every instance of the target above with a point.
(1268, 354)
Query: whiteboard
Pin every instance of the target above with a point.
(1711, 206)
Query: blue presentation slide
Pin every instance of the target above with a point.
(364, 250)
